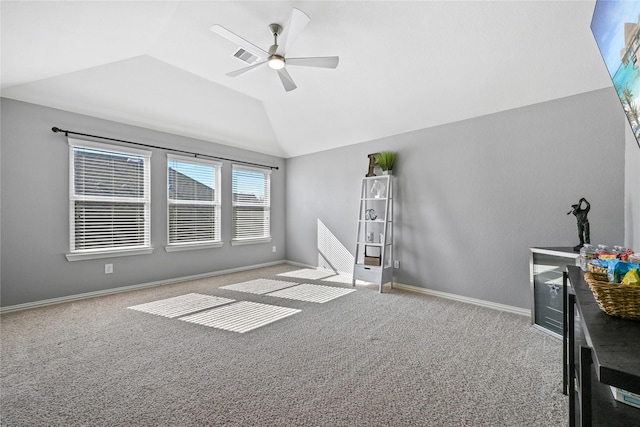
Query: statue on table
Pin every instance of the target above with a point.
(583, 222)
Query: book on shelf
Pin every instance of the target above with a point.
(626, 397)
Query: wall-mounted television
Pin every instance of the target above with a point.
(616, 28)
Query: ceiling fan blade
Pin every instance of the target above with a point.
(245, 69)
(319, 61)
(232, 37)
(286, 80)
(298, 20)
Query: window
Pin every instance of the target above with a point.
(251, 204)
(109, 200)
(193, 201)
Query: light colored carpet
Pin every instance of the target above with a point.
(259, 286)
(311, 293)
(291, 290)
(180, 305)
(243, 316)
(320, 274)
(364, 359)
(308, 273)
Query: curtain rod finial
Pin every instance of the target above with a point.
(55, 129)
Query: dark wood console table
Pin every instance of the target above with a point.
(603, 351)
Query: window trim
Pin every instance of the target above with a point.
(178, 247)
(187, 246)
(250, 240)
(107, 254)
(88, 254)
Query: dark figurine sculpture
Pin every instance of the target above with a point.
(583, 222)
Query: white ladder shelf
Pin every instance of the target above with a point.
(374, 241)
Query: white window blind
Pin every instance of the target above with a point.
(251, 203)
(109, 197)
(193, 201)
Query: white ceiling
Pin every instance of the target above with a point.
(403, 65)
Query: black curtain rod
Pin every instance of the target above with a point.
(68, 132)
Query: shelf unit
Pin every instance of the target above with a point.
(603, 352)
(374, 241)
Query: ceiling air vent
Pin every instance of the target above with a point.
(246, 56)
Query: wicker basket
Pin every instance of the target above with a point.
(615, 299)
(599, 273)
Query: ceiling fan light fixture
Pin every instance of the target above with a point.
(276, 56)
(276, 62)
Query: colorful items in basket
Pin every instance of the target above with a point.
(614, 279)
(608, 264)
(614, 270)
(603, 252)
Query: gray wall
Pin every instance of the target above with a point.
(35, 210)
(473, 196)
(632, 191)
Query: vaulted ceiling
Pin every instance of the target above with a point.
(403, 65)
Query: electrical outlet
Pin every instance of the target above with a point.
(273, 249)
(108, 268)
(396, 263)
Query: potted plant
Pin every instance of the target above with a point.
(385, 160)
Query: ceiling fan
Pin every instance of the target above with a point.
(276, 58)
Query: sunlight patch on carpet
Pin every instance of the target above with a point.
(181, 305)
(308, 273)
(340, 278)
(311, 293)
(241, 317)
(322, 274)
(259, 286)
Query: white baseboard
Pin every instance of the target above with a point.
(468, 300)
(301, 265)
(488, 304)
(132, 287)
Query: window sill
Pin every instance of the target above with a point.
(107, 254)
(250, 241)
(192, 246)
